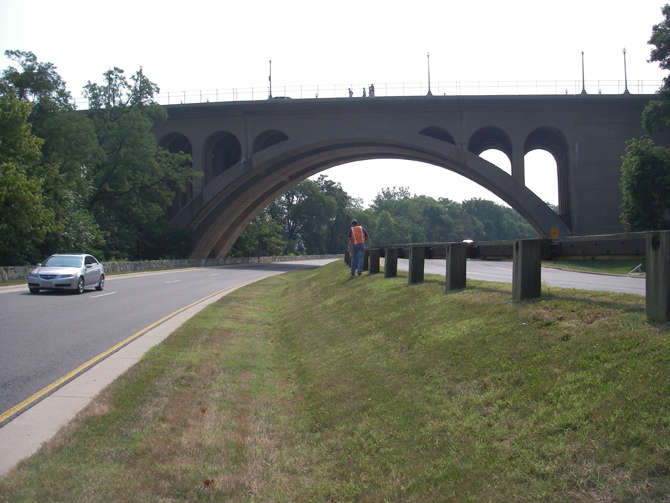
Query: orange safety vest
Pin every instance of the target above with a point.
(357, 235)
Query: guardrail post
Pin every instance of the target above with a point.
(457, 259)
(417, 255)
(391, 263)
(527, 271)
(366, 258)
(658, 276)
(375, 255)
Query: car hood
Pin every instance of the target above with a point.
(56, 270)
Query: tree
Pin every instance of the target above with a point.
(657, 113)
(24, 217)
(35, 82)
(135, 181)
(386, 232)
(645, 170)
(68, 146)
(338, 227)
(499, 222)
(262, 237)
(645, 185)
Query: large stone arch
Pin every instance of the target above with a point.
(222, 150)
(218, 216)
(554, 142)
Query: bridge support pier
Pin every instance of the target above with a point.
(527, 273)
(417, 255)
(457, 258)
(391, 263)
(658, 276)
(374, 260)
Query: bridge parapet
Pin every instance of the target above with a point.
(406, 89)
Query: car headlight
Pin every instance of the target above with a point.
(67, 276)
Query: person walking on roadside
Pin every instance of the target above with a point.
(357, 238)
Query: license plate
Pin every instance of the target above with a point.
(46, 284)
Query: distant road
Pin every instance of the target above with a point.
(501, 271)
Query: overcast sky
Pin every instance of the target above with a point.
(224, 45)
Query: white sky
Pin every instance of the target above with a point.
(208, 45)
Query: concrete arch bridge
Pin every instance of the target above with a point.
(252, 152)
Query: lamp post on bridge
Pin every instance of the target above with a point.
(429, 93)
(625, 73)
(583, 84)
(270, 80)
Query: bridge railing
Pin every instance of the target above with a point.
(527, 256)
(407, 89)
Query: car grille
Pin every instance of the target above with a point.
(48, 276)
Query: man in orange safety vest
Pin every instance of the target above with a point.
(357, 238)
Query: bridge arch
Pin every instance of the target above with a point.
(585, 134)
(222, 150)
(218, 219)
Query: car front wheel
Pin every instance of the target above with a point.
(34, 290)
(80, 285)
(101, 284)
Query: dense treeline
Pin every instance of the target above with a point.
(314, 216)
(645, 172)
(97, 182)
(92, 182)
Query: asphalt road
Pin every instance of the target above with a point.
(501, 271)
(45, 337)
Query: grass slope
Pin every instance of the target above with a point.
(317, 387)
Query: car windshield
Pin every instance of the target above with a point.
(60, 261)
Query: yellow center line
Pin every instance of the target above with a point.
(104, 354)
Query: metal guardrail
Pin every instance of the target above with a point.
(629, 246)
(527, 256)
(404, 89)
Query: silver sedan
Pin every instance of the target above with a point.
(67, 272)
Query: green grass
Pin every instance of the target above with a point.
(621, 267)
(317, 387)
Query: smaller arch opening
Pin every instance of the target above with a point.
(439, 134)
(499, 158)
(224, 151)
(541, 175)
(267, 139)
(551, 140)
(488, 138)
(176, 143)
